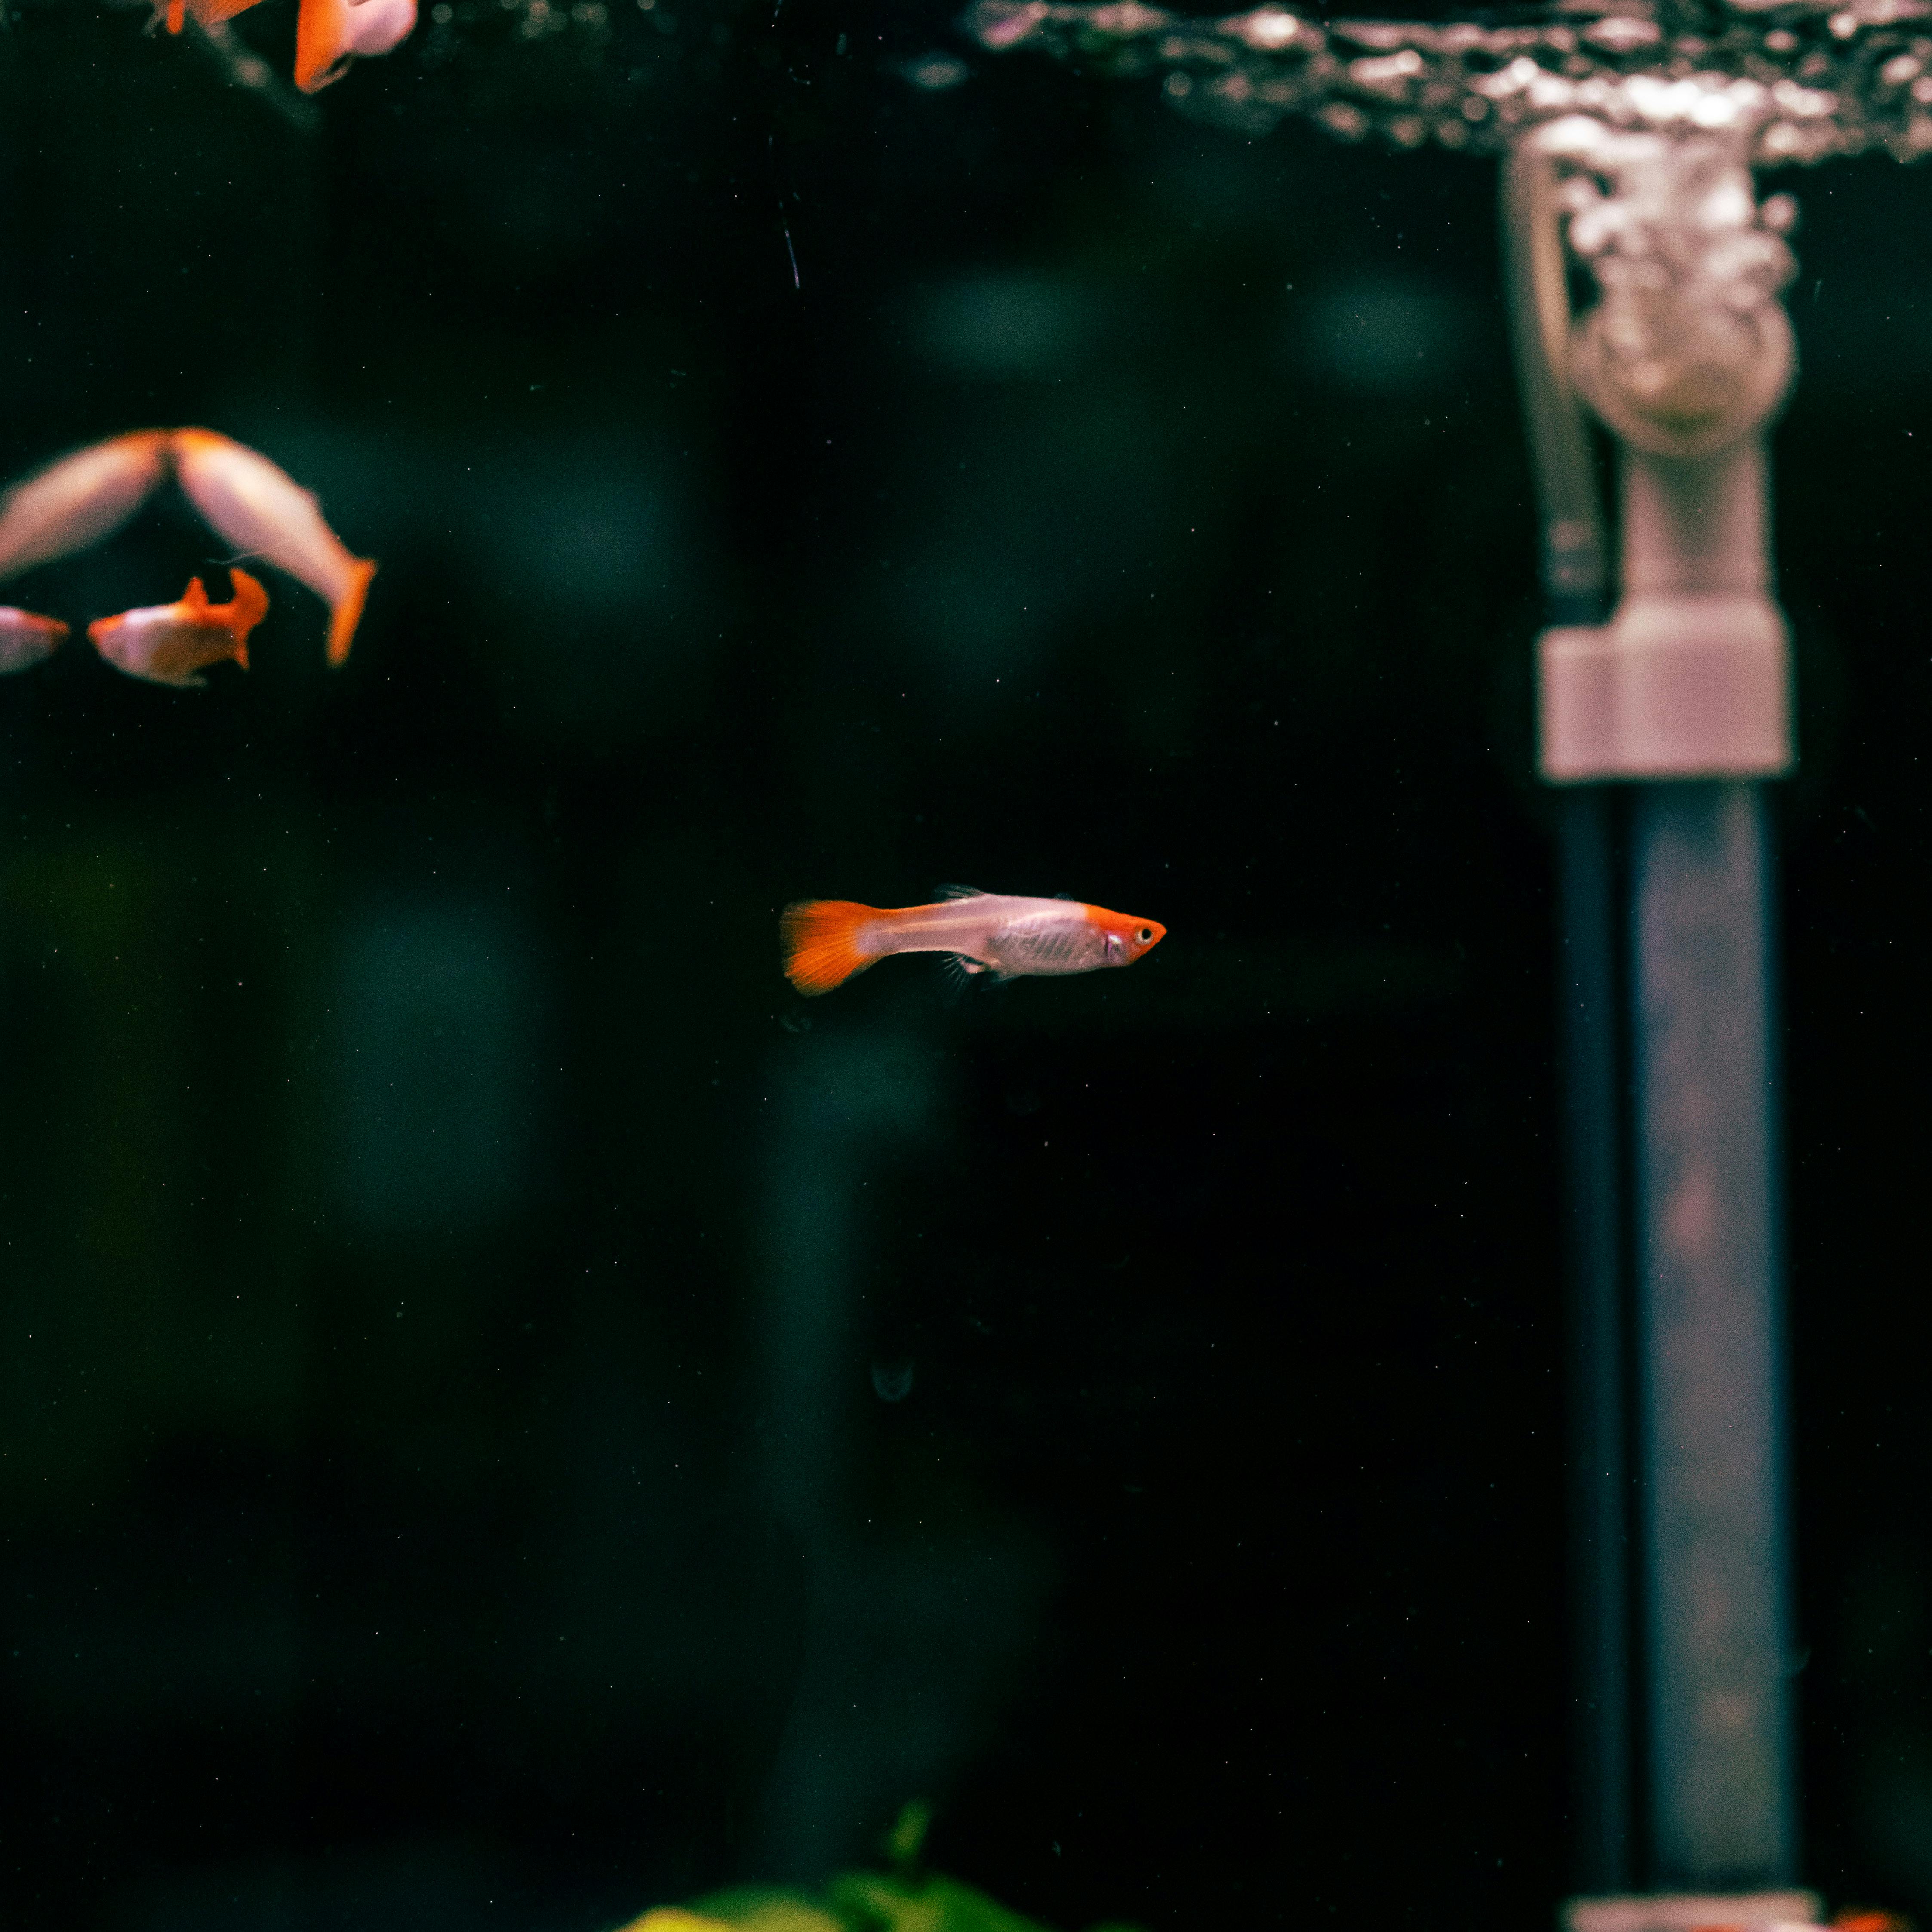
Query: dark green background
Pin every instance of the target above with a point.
(449, 1285)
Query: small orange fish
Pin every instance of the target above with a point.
(248, 501)
(261, 509)
(1855, 1919)
(168, 644)
(329, 34)
(80, 499)
(827, 940)
(27, 639)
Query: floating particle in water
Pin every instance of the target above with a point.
(935, 72)
(891, 1381)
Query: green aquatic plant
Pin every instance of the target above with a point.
(908, 1898)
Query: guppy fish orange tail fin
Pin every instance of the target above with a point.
(821, 938)
(348, 613)
(247, 604)
(263, 511)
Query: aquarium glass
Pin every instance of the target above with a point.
(513, 1416)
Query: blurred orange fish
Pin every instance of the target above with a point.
(329, 34)
(85, 496)
(261, 509)
(27, 639)
(168, 644)
(827, 940)
(252, 503)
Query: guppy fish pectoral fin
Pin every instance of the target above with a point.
(983, 974)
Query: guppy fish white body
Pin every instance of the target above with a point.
(827, 940)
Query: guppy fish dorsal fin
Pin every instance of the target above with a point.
(960, 892)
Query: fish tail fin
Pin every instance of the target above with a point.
(348, 613)
(248, 600)
(248, 604)
(821, 938)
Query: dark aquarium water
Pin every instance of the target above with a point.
(510, 1414)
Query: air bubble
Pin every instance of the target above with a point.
(1828, 79)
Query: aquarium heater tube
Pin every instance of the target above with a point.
(1684, 693)
(1682, 701)
(1700, 675)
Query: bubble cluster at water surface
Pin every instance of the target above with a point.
(1791, 83)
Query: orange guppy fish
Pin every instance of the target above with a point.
(248, 501)
(329, 34)
(168, 643)
(261, 510)
(27, 639)
(827, 940)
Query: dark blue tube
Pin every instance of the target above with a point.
(1722, 1808)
